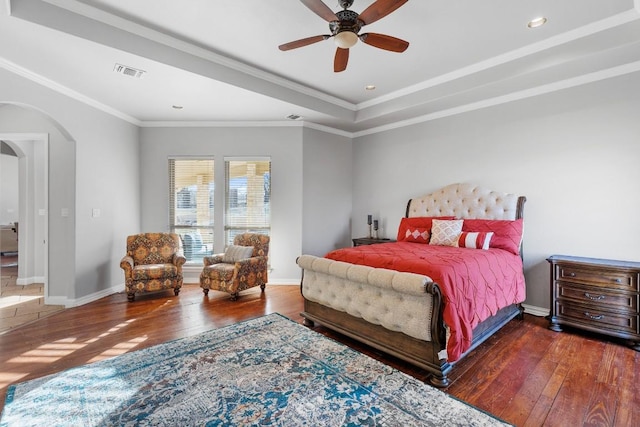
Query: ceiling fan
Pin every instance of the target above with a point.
(345, 26)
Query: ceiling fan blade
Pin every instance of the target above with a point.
(303, 42)
(320, 9)
(385, 42)
(341, 59)
(379, 9)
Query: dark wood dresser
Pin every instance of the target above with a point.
(597, 295)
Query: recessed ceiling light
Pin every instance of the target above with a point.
(177, 107)
(370, 87)
(537, 22)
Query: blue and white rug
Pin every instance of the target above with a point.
(268, 371)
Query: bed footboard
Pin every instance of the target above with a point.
(395, 312)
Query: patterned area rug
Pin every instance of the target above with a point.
(266, 371)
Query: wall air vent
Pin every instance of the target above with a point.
(128, 71)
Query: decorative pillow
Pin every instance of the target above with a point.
(507, 234)
(235, 253)
(417, 222)
(417, 235)
(475, 240)
(446, 232)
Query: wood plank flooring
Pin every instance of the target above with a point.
(524, 374)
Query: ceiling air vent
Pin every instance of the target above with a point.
(128, 71)
(294, 117)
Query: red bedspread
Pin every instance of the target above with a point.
(476, 283)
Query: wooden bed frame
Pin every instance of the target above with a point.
(462, 201)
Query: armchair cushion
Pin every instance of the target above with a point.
(154, 271)
(236, 253)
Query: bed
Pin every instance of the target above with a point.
(428, 304)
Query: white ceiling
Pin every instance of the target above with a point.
(220, 61)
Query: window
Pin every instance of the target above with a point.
(191, 189)
(248, 196)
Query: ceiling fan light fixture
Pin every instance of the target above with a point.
(346, 39)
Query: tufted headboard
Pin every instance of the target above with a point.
(467, 201)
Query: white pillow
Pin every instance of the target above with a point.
(236, 253)
(445, 232)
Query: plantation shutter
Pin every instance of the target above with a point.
(191, 190)
(247, 196)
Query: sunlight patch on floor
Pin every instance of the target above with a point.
(48, 353)
(118, 349)
(111, 330)
(11, 300)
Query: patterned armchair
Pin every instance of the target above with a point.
(153, 263)
(231, 273)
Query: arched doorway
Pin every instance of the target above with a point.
(31, 149)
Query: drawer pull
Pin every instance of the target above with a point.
(572, 274)
(594, 297)
(618, 280)
(592, 317)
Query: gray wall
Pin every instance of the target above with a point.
(282, 144)
(573, 154)
(326, 211)
(93, 164)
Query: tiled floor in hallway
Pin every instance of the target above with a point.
(20, 304)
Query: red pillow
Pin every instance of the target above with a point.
(507, 234)
(417, 235)
(423, 222)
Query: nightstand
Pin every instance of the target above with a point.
(596, 295)
(359, 241)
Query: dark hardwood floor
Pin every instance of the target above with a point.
(525, 374)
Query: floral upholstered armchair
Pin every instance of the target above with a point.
(242, 266)
(153, 263)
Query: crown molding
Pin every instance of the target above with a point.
(64, 90)
(515, 96)
(245, 124)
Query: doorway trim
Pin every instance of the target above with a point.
(26, 173)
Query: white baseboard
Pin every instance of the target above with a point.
(68, 302)
(29, 280)
(535, 311)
